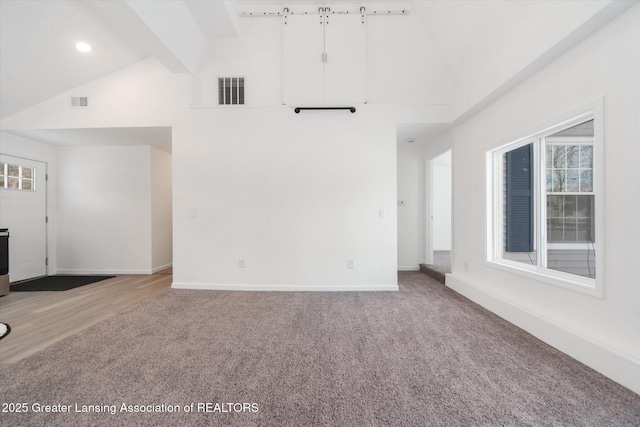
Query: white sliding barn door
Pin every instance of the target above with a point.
(345, 69)
(324, 60)
(303, 69)
(23, 212)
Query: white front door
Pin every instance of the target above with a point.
(23, 210)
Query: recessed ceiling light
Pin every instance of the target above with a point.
(83, 47)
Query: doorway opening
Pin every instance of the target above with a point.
(439, 229)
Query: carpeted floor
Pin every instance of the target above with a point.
(421, 356)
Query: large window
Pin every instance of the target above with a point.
(543, 204)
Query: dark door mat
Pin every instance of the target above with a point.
(56, 283)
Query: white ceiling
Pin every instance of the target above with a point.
(213, 17)
(155, 136)
(488, 39)
(422, 134)
(38, 55)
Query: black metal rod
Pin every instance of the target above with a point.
(298, 109)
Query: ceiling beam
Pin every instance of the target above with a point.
(167, 29)
(216, 19)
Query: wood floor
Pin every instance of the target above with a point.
(39, 319)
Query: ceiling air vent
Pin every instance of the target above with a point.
(230, 90)
(79, 101)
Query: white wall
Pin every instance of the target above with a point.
(441, 188)
(161, 210)
(141, 95)
(34, 150)
(411, 216)
(603, 333)
(404, 64)
(104, 205)
(294, 195)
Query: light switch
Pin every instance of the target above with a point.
(194, 213)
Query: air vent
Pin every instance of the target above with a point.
(230, 90)
(79, 101)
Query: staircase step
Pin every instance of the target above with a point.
(431, 271)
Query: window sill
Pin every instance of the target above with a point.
(573, 282)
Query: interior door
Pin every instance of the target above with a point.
(23, 210)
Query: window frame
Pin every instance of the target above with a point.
(571, 141)
(495, 194)
(20, 177)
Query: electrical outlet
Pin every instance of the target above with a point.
(466, 266)
(241, 263)
(351, 264)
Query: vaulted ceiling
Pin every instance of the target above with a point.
(38, 58)
(486, 46)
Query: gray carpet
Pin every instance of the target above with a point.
(421, 356)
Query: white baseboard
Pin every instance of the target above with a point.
(162, 267)
(408, 268)
(87, 272)
(614, 363)
(285, 288)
